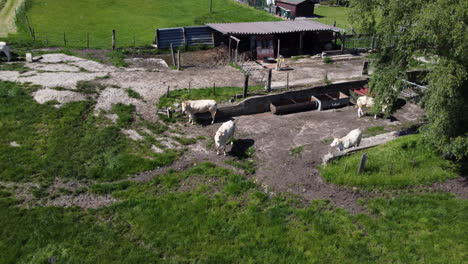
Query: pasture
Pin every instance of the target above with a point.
(132, 19)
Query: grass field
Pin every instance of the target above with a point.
(130, 18)
(328, 15)
(69, 142)
(406, 161)
(225, 218)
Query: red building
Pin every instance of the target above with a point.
(297, 8)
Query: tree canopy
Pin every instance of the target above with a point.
(435, 29)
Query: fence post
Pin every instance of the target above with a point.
(134, 41)
(87, 40)
(178, 60)
(268, 84)
(362, 165)
(214, 88)
(173, 56)
(373, 42)
(47, 40)
(343, 41)
(287, 80)
(230, 59)
(64, 39)
(246, 86)
(113, 39)
(168, 91)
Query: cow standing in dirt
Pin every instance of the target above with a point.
(6, 50)
(222, 136)
(199, 106)
(353, 139)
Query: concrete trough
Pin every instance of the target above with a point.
(288, 105)
(331, 100)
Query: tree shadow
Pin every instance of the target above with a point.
(240, 147)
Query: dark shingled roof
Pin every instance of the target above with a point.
(276, 27)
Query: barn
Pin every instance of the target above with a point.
(258, 40)
(295, 8)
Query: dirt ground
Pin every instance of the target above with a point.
(280, 171)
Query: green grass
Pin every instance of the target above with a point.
(221, 94)
(406, 161)
(374, 131)
(69, 142)
(2, 4)
(328, 15)
(130, 18)
(117, 58)
(19, 67)
(296, 150)
(133, 94)
(225, 218)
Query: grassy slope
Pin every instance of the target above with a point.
(403, 162)
(328, 15)
(226, 219)
(129, 18)
(68, 142)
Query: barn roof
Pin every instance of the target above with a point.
(275, 27)
(293, 2)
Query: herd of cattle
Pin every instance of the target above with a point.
(227, 129)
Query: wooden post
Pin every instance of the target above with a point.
(168, 91)
(189, 84)
(301, 42)
(287, 80)
(246, 86)
(87, 40)
(268, 84)
(211, 7)
(237, 50)
(214, 88)
(343, 42)
(134, 41)
(373, 42)
(47, 40)
(64, 39)
(362, 165)
(173, 55)
(113, 39)
(178, 60)
(334, 23)
(230, 40)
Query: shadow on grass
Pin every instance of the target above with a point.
(241, 147)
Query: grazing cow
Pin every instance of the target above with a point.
(199, 106)
(364, 101)
(6, 50)
(367, 102)
(353, 139)
(222, 136)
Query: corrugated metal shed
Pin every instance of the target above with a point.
(276, 27)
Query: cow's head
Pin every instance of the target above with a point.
(337, 143)
(184, 106)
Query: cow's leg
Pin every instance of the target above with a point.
(191, 118)
(213, 115)
(375, 116)
(359, 112)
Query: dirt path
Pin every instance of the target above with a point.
(7, 17)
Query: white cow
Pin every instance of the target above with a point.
(222, 136)
(199, 106)
(6, 50)
(364, 101)
(353, 139)
(367, 102)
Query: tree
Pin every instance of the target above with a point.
(437, 29)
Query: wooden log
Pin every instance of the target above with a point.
(113, 39)
(246, 86)
(362, 164)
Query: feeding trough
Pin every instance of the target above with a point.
(289, 105)
(331, 100)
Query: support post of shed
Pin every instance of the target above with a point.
(301, 42)
(230, 59)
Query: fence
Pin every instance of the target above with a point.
(184, 36)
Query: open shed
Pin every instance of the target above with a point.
(261, 39)
(295, 8)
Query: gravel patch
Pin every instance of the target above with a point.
(111, 96)
(56, 58)
(44, 95)
(132, 134)
(52, 67)
(85, 200)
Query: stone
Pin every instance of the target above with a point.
(29, 57)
